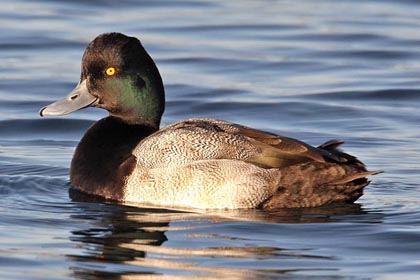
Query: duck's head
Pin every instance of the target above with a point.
(117, 75)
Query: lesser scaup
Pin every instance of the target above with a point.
(202, 163)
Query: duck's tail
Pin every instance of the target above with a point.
(313, 184)
(332, 146)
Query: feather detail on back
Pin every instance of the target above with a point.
(207, 163)
(198, 139)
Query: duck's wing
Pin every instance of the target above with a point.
(210, 159)
(281, 151)
(202, 139)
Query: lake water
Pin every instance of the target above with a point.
(313, 70)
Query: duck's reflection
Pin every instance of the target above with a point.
(126, 242)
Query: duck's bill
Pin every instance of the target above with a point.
(78, 98)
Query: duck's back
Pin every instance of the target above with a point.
(210, 163)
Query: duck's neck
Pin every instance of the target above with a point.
(103, 158)
(141, 103)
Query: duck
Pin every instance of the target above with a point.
(195, 163)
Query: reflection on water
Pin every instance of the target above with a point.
(105, 242)
(137, 241)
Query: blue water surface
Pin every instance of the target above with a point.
(313, 70)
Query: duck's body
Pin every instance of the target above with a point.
(208, 163)
(201, 163)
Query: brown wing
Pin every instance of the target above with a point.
(202, 139)
(279, 151)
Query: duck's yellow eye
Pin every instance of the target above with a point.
(110, 71)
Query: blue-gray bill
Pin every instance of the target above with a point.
(77, 99)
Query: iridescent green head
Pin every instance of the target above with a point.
(117, 75)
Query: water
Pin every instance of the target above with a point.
(314, 70)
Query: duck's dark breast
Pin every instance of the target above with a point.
(103, 158)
